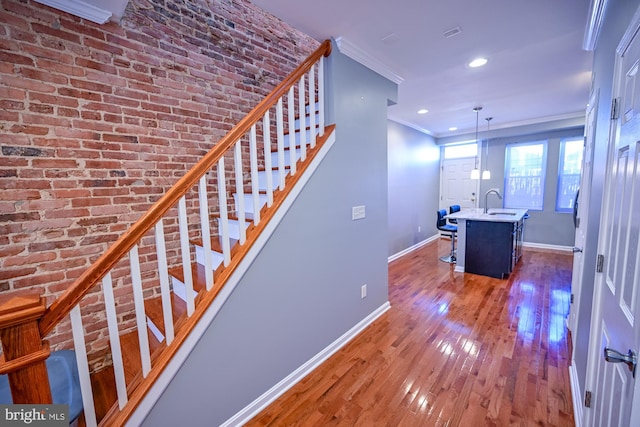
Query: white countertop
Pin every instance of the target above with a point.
(496, 214)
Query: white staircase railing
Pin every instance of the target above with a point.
(188, 243)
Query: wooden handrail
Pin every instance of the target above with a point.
(61, 307)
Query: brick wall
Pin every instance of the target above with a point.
(97, 121)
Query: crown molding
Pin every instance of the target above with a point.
(411, 125)
(357, 54)
(79, 8)
(594, 24)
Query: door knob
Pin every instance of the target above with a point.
(630, 359)
(576, 250)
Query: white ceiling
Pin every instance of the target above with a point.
(537, 69)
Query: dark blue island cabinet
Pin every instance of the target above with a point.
(492, 247)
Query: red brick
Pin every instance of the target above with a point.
(57, 33)
(52, 52)
(13, 58)
(91, 150)
(38, 280)
(6, 273)
(90, 86)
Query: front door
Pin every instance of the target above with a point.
(457, 188)
(616, 309)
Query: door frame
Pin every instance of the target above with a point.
(595, 352)
(583, 217)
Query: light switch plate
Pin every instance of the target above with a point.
(357, 212)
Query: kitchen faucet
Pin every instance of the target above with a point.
(493, 190)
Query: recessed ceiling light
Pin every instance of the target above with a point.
(423, 111)
(478, 62)
(452, 128)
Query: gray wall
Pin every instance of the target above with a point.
(547, 226)
(303, 290)
(616, 19)
(414, 189)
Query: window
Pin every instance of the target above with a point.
(459, 151)
(569, 173)
(524, 174)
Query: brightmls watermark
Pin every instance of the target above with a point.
(34, 415)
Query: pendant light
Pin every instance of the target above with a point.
(475, 173)
(486, 173)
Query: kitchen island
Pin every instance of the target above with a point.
(489, 243)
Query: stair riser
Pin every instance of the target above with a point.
(287, 157)
(234, 228)
(248, 202)
(180, 289)
(154, 330)
(275, 179)
(316, 108)
(216, 259)
(288, 140)
(307, 120)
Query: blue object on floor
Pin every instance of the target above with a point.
(63, 379)
(448, 230)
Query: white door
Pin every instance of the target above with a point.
(616, 319)
(581, 215)
(457, 188)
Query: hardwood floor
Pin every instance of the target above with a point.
(454, 350)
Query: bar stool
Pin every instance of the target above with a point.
(453, 209)
(450, 231)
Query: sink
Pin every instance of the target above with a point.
(501, 213)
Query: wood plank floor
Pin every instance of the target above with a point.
(454, 350)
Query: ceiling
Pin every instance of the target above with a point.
(537, 70)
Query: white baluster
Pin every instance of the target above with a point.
(321, 95)
(291, 110)
(205, 231)
(83, 366)
(266, 131)
(114, 340)
(303, 120)
(224, 215)
(165, 290)
(280, 130)
(312, 104)
(186, 254)
(240, 192)
(255, 187)
(141, 317)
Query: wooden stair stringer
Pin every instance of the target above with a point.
(208, 303)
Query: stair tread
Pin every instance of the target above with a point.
(215, 243)
(104, 385)
(230, 217)
(153, 309)
(197, 273)
(273, 168)
(287, 132)
(130, 347)
(103, 382)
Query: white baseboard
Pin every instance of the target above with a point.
(182, 353)
(293, 378)
(576, 394)
(547, 247)
(413, 248)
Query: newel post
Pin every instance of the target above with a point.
(23, 349)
